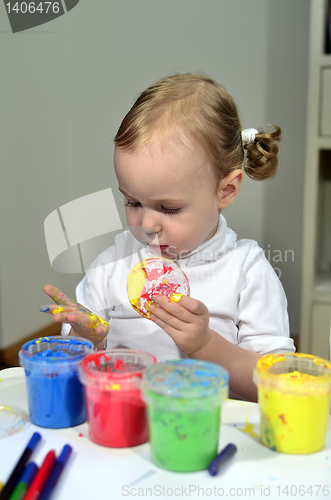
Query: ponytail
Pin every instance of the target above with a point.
(262, 155)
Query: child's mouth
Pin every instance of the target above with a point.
(157, 248)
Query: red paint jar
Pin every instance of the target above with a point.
(116, 412)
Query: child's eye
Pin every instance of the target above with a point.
(171, 211)
(131, 204)
(136, 204)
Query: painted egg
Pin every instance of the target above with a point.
(155, 276)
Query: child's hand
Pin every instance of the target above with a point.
(186, 321)
(83, 322)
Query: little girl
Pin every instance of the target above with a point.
(179, 154)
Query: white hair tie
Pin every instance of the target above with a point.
(248, 135)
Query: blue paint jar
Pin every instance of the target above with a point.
(55, 394)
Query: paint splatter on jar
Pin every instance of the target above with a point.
(116, 412)
(184, 400)
(294, 399)
(55, 394)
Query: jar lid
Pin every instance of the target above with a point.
(56, 349)
(295, 373)
(114, 369)
(186, 378)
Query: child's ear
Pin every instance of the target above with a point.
(229, 187)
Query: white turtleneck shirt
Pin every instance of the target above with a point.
(246, 301)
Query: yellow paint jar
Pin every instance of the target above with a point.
(294, 400)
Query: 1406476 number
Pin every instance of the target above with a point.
(312, 490)
(33, 7)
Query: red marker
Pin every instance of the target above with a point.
(41, 477)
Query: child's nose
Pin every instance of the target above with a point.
(151, 221)
(143, 234)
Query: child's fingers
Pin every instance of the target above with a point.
(57, 309)
(163, 317)
(59, 313)
(169, 329)
(54, 309)
(174, 308)
(76, 315)
(89, 320)
(56, 295)
(81, 319)
(192, 305)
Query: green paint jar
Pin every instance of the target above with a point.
(184, 400)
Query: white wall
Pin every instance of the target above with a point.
(66, 85)
(286, 105)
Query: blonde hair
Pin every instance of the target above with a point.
(197, 107)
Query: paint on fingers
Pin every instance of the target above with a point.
(175, 297)
(59, 298)
(95, 321)
(57, 310)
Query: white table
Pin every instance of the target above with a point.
(97, 472)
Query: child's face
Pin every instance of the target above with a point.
(170, 192)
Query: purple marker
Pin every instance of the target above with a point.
(221, 459)
(56, 472)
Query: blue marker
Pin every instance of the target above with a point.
(25, 481)
(221, 459)
(56, 472)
